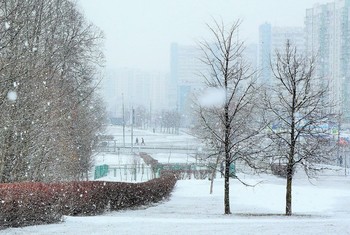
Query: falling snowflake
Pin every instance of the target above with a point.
(7, 25)
(12, 95)
(213, 97)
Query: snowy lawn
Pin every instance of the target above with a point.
(319, 208)
(157, 139)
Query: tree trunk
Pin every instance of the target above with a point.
(227, 157)
(227, 187)
(289, 190)
(213, 174)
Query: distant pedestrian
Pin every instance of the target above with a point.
(340, 160)
(137, 141)
(142, 141)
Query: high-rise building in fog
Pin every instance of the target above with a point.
(187, 72)
(272, 39)
(328, 37)
(136, 88)
(185, 68)
(250, 54)
(264, 52)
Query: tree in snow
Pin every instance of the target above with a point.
(170, 121)
(49, 56)
(227, 109)
(298, 111)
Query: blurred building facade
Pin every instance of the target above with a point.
(138, 89)
(185, 70)
(272, 39)
(327, 32)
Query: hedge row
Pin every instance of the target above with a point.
(23, 204)
(148, 159)
(140, 194)
(180, 174)
(279, 169)
(189, 174)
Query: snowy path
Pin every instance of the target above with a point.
(323, 208)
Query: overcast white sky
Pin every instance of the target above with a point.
(139, 32)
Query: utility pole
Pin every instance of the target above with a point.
(132, 128)
(150, 114)
(345, 163)
(123, 120)
(339, 145)
(338, 141)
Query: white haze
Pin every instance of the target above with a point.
(139, 33)
(212, 97)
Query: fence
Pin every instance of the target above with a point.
(101, 171)
(125, 172)
(143, 172)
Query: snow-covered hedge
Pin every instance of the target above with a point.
(81, 197)
(126, 195)
(24, 204)
(181, 173)
(279, 169)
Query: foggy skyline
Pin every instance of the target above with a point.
(138, 33)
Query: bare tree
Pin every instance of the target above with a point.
(49, 58)
(170, 122)
(298, 112)
(228, 125)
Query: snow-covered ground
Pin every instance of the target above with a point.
(320, 206)
(156, 139)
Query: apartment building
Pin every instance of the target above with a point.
(327, 33)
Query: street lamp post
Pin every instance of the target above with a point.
(123, 120)
(132, 129)
(345, 163)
